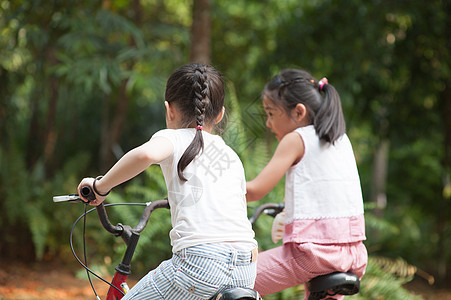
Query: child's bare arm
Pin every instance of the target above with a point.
(289, 151)
(131, 164)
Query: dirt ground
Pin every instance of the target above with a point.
(46, 281)
(55, 281)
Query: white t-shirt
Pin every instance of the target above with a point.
(210, 207)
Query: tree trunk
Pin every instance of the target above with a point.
(5, 97)
(117, 125)
(34, 150)
(112, 134)
(379, 176)
(105, 144)
(444, 215)
(50, 134)
(201, 32)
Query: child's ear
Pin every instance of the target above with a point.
(220, 116)
(170, 113)
(300, 112)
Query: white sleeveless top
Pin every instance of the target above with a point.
(323, 197)
(210, 207)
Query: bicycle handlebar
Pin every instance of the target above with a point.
(75, 198)
(270, 209)
(121, 230)
(147, 211)
(125, 231)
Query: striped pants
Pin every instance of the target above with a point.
(197, 272)
(293, 264)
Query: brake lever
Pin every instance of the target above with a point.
(75, 198)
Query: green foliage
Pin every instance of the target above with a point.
(94, 55)
(27, 202)
(234, 131)
(389, 60)
(380, 283)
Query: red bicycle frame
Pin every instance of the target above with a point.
(120, 282)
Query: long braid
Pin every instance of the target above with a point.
(201, 92)
(201, 102)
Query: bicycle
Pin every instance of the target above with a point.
(320, 287)
(130, 236)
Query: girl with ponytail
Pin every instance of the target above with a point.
(324, 224)
(206, 192)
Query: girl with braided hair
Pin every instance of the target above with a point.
(324, 224)
(212, 239)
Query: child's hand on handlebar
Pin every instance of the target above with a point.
(92, 198)
(278, 227)
(97, 202)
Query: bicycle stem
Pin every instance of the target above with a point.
(124, 267)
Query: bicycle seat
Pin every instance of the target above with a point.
(338, 283)
(237, 293)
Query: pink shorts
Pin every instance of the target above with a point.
(293, 264)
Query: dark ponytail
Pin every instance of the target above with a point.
(329, 121)
(199, 93)
(292, 86)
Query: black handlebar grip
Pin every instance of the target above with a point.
(87, 193)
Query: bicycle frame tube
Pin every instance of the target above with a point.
(123, 270)
(119, 281)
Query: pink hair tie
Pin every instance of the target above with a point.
(199, 127)
(322, 83)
